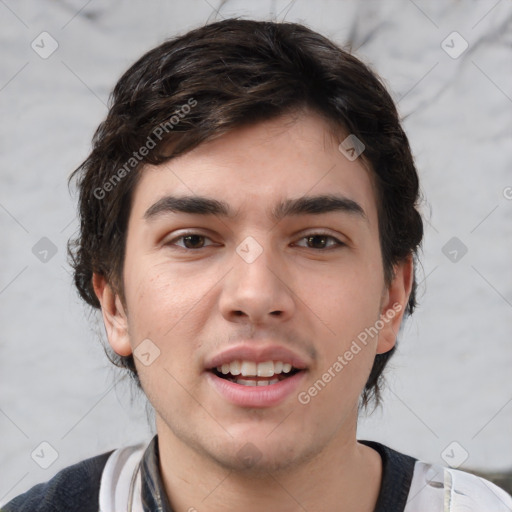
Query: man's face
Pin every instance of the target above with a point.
(279, 280)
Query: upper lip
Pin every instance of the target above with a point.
(257, 354)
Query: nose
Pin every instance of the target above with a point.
(257, 292)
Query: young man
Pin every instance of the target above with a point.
(249, 226)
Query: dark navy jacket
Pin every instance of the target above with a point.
(76, 488)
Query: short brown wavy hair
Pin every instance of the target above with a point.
(231, 73)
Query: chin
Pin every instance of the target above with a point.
(258, 456)
(251, 462)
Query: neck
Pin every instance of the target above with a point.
(346, 475)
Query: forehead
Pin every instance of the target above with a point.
(256, 168)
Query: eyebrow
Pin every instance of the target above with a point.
(317, 205)
(306, 205)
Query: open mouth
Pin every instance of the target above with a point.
(249, 373)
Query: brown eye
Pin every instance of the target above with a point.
(317, 241)
(321, 241)
(193, 241)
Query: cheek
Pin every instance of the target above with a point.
(164, 308)
(347, 301)
(159, 297)
(348, 306)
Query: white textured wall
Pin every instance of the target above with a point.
(451, 379)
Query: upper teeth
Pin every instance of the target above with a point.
(252, 369)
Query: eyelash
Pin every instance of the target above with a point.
(338, 243)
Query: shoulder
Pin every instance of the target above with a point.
(74, 488)
(410, 485)
(441, 488)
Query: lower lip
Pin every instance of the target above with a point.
(256, 396)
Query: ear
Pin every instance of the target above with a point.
(114, 316)
(393, 305)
